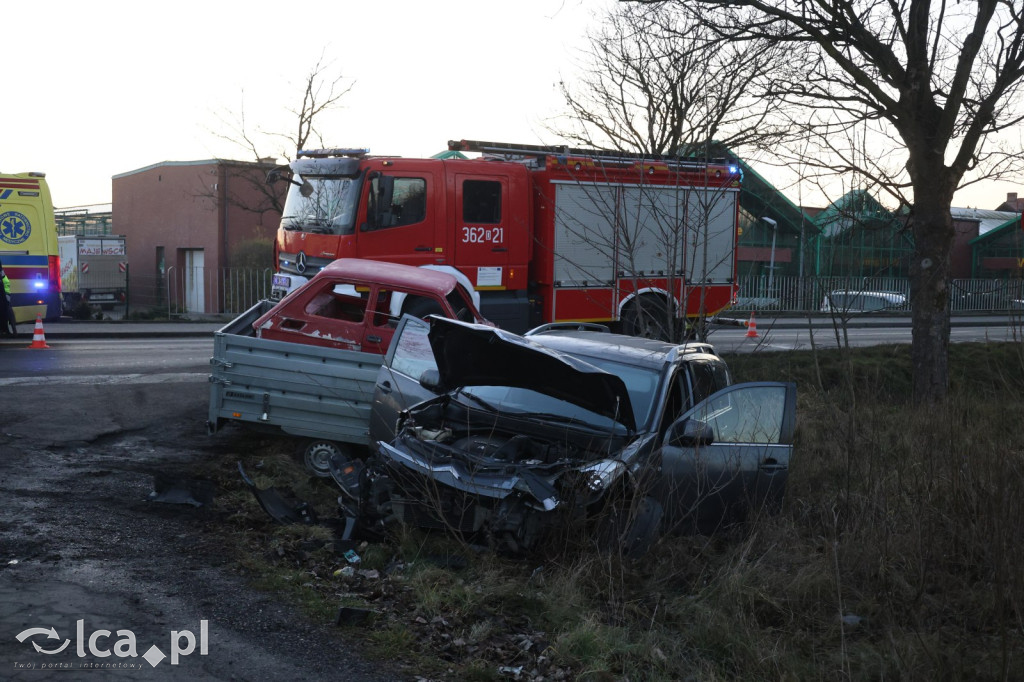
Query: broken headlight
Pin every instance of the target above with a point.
(597, 477)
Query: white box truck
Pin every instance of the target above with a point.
(93, 269)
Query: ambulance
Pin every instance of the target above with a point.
(28, 246)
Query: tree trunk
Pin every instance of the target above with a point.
(930, 291)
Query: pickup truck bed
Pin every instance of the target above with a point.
(303, 390)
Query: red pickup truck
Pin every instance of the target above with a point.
(355, 304)
(307, 365)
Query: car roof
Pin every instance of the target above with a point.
(864, 292)
(634, 350)
(404, 276)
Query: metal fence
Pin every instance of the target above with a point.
(198, 291)
(809, 294)
(184, 292)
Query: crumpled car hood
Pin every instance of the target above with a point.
(475, 355)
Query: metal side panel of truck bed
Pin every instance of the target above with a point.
(300, 389)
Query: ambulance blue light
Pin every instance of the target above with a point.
(734, 169)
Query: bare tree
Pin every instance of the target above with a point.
(322, 92)
(658, 81)
(930, 84)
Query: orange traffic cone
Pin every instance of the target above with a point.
(752, 327)
(38, 337)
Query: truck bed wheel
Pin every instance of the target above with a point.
(647, 316)
(316, 455)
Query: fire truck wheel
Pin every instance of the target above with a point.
(647, 316)
(421, 307)
(316, 455)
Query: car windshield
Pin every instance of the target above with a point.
(329, 209)
(534, 405)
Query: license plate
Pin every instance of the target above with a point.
(280, 281)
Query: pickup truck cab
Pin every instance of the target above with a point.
(355, 304)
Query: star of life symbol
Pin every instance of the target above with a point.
(14, 227)
(183, 643)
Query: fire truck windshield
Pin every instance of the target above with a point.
(329, 209)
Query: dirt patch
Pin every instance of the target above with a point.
(80, 541)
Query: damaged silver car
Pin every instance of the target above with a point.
(513, 439)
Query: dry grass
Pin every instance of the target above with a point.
(898, 555)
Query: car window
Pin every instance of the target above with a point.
(349, 306)
(412, 355)
(459, 302)
(408, 202)
(753, 414)
(481, 202)
(707, 377)
(874, 303)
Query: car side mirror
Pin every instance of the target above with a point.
(431, 380)
(690, 433)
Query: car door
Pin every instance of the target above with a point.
(728, 457)
(380, 326)
(398, 380)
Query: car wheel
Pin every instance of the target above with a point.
(648, 316)
(316, 455)
(631, 529)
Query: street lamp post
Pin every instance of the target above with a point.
(771, 265)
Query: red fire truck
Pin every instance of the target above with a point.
(538, 234)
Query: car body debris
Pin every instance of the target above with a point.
(178, 490)
(277, 505)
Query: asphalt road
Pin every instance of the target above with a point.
(83, 549)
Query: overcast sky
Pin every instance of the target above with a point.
(101, 88)
(106, 87)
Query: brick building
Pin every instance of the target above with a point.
(185, 221)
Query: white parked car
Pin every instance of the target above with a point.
(845, 301)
